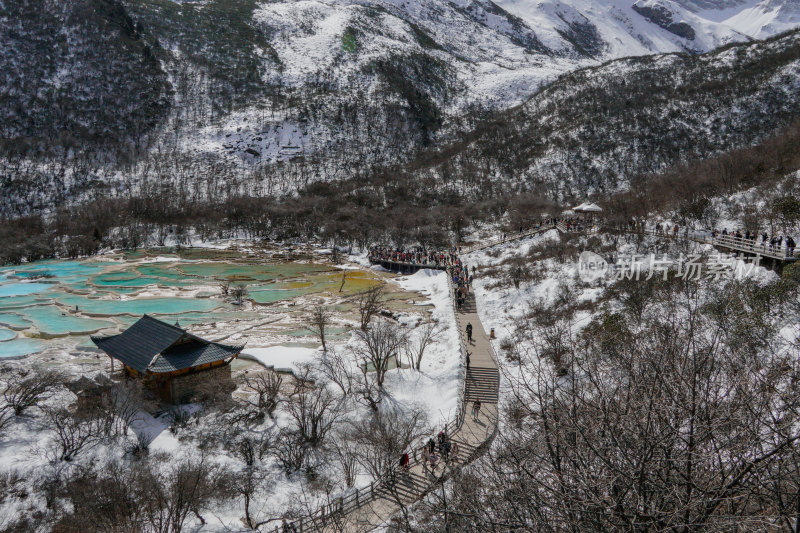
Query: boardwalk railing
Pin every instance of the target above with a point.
(462, 347)
(339, 507)
(730, 242)
(507, 238)
(358, 497)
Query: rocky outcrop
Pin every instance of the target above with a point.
(663, 17)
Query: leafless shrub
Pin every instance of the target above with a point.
(518, 272)
(369, 303)
(427, 334)
(124, 403)
(267, 387)
(12, 485)
(383, 437)
(179, 418)
(335, 368)
(290, 450)
(319, 321)
(314, 410)
(171, 494)
(28, 389)
(102, 501)
(239, 292)
(75, 432)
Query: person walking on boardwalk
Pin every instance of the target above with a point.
(404, 461)
(431, 446)
(476, 408)
(467, 360)
(469, 332)
(434, 461)
(446, 451)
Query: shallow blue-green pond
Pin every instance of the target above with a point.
(45, 301)
(20, 347)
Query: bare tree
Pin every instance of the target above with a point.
(427, 334)
(28, 389)
(250, 448)
(369, 304)
(239, 293)
(267, 387)
(6, 415)
(318, 323)
(335, 368)
(378, 346)
(384, 436)
(169, 495)
(346, 453)
(314, 410)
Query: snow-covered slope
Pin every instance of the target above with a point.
(636, 27)
(286, 92)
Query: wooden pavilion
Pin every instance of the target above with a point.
(170, 361)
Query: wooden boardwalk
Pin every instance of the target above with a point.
(368, 508)
(725, 243)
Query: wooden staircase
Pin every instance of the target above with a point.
(482, 384)
(367, 508)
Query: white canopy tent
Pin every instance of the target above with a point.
(588, 207)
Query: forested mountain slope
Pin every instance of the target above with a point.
(76, 74)
(595, 129)
(222, 98)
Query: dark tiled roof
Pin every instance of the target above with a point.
(192, 353)
(155, 346)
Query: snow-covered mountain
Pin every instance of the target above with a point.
(757, 18)
(286, 92)
(619, 28)
(434, 58)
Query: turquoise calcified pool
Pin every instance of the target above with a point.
(52, 321)
(140, 306)
(20, 347)
(12, 288)
(14, 321)
(59, 303)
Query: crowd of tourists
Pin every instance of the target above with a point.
(749, 239)
(764, 241)
(439, 451)
(415, 256)
(462, 281)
